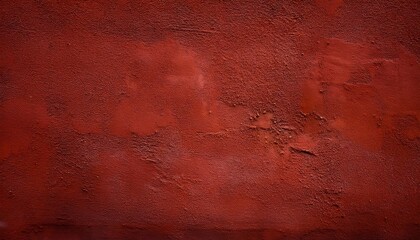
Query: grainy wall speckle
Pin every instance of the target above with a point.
(209, 119)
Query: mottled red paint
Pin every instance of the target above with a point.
(209, 119)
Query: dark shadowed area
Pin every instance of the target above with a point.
(209, 119)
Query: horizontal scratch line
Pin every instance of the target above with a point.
(193, 30)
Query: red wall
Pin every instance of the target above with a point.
(209, 119)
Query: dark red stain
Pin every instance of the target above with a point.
(218, 120)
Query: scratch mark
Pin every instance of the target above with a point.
(303, 151)
(193, 30)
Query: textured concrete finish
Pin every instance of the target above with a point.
(209, 119)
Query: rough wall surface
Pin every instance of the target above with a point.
(209, 119)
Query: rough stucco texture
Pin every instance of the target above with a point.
(209, 119)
